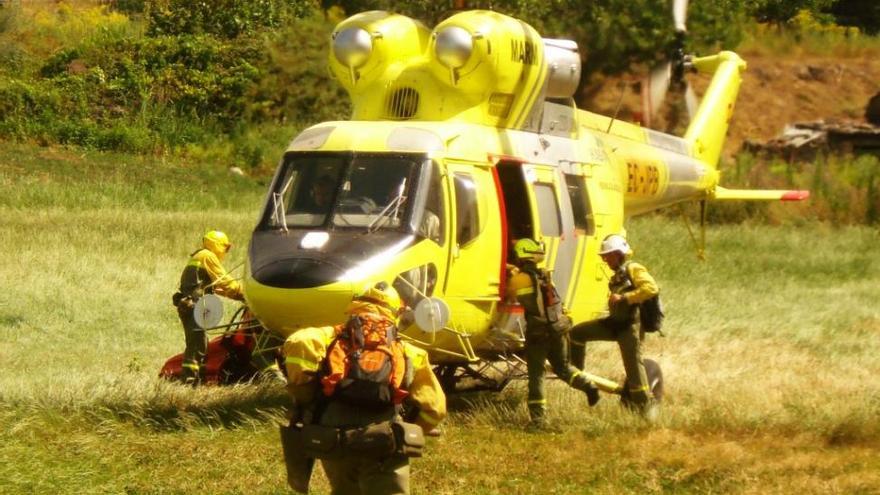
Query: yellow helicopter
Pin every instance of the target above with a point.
(464, 138)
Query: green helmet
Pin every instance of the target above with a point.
(528, 249)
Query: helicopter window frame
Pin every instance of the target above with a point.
(582, 209)
(548, 209)
(467, 206)
(431, 206)
(420, 163)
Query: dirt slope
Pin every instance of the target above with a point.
(776, 90)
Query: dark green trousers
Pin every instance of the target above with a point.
(541, 346)
(357, 475)
(196, 346)
(627, 337)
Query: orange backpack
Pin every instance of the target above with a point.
(365, 363)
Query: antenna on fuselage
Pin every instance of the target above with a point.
(621, 85)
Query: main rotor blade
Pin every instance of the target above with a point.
(691, 101)
(679, 15)
(658, 86)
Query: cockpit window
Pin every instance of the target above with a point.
(368, 191)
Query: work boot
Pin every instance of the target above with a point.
(592, 394)
(536, 425)
(542, 425)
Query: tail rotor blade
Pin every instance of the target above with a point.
(679, 15)
(658, 86)
(691, 101)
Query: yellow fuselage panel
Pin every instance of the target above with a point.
(621, 170)
(654, 169)
(397, 75)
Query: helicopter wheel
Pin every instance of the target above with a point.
(655, 382)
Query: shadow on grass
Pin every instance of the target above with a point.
(176, 407)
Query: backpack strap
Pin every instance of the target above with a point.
(625, 267)
(537, 281)
(355, 328)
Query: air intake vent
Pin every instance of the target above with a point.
(402, 103)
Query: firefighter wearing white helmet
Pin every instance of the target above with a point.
(349, 384)
(629, 286)
(203, 274)
(546, 339)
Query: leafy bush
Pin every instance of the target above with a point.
(781, 11)
(224, 18)
(121, 95)
(297, 87)
(860, 13)
(128, 6)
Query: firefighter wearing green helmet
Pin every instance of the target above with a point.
(630, 285)
(546, 329)
(203, 274)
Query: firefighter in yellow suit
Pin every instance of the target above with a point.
(348, 473)
(543, 343)
(203, 274)
(630, 285)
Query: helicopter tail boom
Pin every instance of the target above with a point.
(708, 128)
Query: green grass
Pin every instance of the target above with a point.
(805, 37)
(771, 356)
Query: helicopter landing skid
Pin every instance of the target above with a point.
(492, 375)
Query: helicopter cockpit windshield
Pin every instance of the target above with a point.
(346, 190)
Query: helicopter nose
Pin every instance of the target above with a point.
(297, 273)
(287, 310)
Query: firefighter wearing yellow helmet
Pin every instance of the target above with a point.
(203, 274)
(629, 286)
(349, 384)
(546, 329)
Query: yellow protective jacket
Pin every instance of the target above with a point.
(645, 285)
(305, 350)
(204, 271)
(632, 281)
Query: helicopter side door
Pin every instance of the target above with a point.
(551, 207)
(476, 249)
(584, 297)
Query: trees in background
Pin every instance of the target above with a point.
(143, 75)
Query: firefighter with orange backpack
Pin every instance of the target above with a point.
(350, 385)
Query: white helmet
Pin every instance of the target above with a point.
(615, 242)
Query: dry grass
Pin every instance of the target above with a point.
(771, 357)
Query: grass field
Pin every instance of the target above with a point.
(771, 356)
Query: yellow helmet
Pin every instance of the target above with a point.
(383, 295)
(217, 242)
(529, 249)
